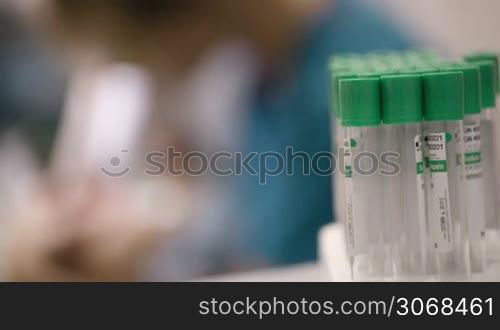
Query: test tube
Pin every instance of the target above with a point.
(489, 138)
(473, 155)
(383, 237)
(361, 118)
(443, 130)
(431, 264)
(405, 192)
(337, 137)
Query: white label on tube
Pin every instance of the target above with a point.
(474, 182)
(419, 157)
(440, 221)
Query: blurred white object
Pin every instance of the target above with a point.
(19, 171)
(218, 94)
(104, 116)
(333, 253)
(121, 103)
(19, 179)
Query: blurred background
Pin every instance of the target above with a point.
(456, 27)
(86, 85)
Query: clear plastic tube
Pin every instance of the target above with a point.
(338, 178)
(445, 193)
(489, 152)
(475, 192)
(405, 200)
(365, 231)
(493, 117)
(491, 166)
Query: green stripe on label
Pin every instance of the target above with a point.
(420, 167)
(348, 171)
(472, 158)
(438, 166)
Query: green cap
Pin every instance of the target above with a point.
(401, 98)
(376, 73)
(426, 54)
(443, 95)
(472, 86)
(376, 60)
(369, 74)
(487, 70)
(477, 57)
(360, 101)
(414, 62)
(386, 72)
(418, 70)
(439, 62)
(337, 63)
(396, 61)
(334, 99)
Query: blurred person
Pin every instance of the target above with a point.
(29, 111)
(245, 76)
(27, 104)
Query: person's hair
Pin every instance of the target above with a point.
(114, 23)
(142, 30)
(142, 11)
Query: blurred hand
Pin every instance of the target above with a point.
(86, 234)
